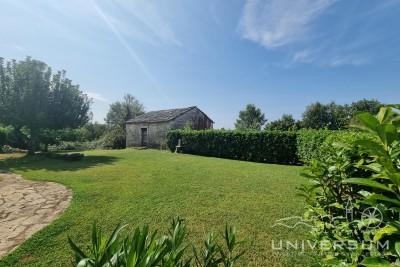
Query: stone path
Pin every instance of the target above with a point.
(26, 207)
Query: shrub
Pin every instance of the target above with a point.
(317, 144)
(9, 149)
(5, 132)
(365, 173)
(77, 146)
(266, 146)
(309, 142)
(347, 137)
(144, 249)
(115, 138)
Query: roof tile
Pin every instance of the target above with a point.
(160, 115)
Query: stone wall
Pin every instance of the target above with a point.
(156, 134)
(157, 131)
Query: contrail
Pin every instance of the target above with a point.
(131, 52)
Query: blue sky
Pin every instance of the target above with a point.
(219, 55)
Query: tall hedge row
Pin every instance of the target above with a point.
(266, 146)
(309, 143)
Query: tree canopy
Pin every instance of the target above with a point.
(118, 114)
(334, 116)
(365, 105)
(285, 123)
(121, 111)
(251, 118)
(31, 96)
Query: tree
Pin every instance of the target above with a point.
(250, 119)
(365, 105)
(92, 131)
(316, 116)
(329, 116)
(121, 111)
(285, 123)
(116, 118)
(333, 116)
(32, 97)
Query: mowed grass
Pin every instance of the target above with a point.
(149, 186)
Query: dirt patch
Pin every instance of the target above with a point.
(26, 207)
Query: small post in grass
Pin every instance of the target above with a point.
(179, 146)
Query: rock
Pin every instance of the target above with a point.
(26, 207)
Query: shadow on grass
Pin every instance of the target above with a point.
(43, 163)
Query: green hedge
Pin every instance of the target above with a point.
(309, 143)
(317, 144)
(266, 146)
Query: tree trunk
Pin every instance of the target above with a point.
(32, 142)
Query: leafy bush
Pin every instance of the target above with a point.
(4, 135)
(9, 149)
(309, 142)
(115, 138)
(317, 144)
(144, 249)
(266, 146)
(77, 146)
(365, 173)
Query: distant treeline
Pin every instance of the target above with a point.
(317, 115)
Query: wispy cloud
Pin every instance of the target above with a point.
(96, 96)
(20, 48)
(303, 56)
(214, 15)
(149, 15)
(350, 60)
(294, 28)
(321, 56)
(275, 23)
(138, 20)
(16, 47)
(131, 52)
(326, 57)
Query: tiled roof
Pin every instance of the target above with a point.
(160, 115)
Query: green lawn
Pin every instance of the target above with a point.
(150, 186)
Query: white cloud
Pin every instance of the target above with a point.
(215, 17)
(142, 19)
(354, 61)
(291, 26)
(20, 48)
(325, 58)
(274, 23)
(303, 56)
(96, 96)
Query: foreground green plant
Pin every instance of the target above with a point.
(363, 174)
(145, 249)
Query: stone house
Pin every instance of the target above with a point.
(150, 129)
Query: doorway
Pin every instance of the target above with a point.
(144, 136)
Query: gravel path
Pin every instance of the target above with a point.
(26, 207)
